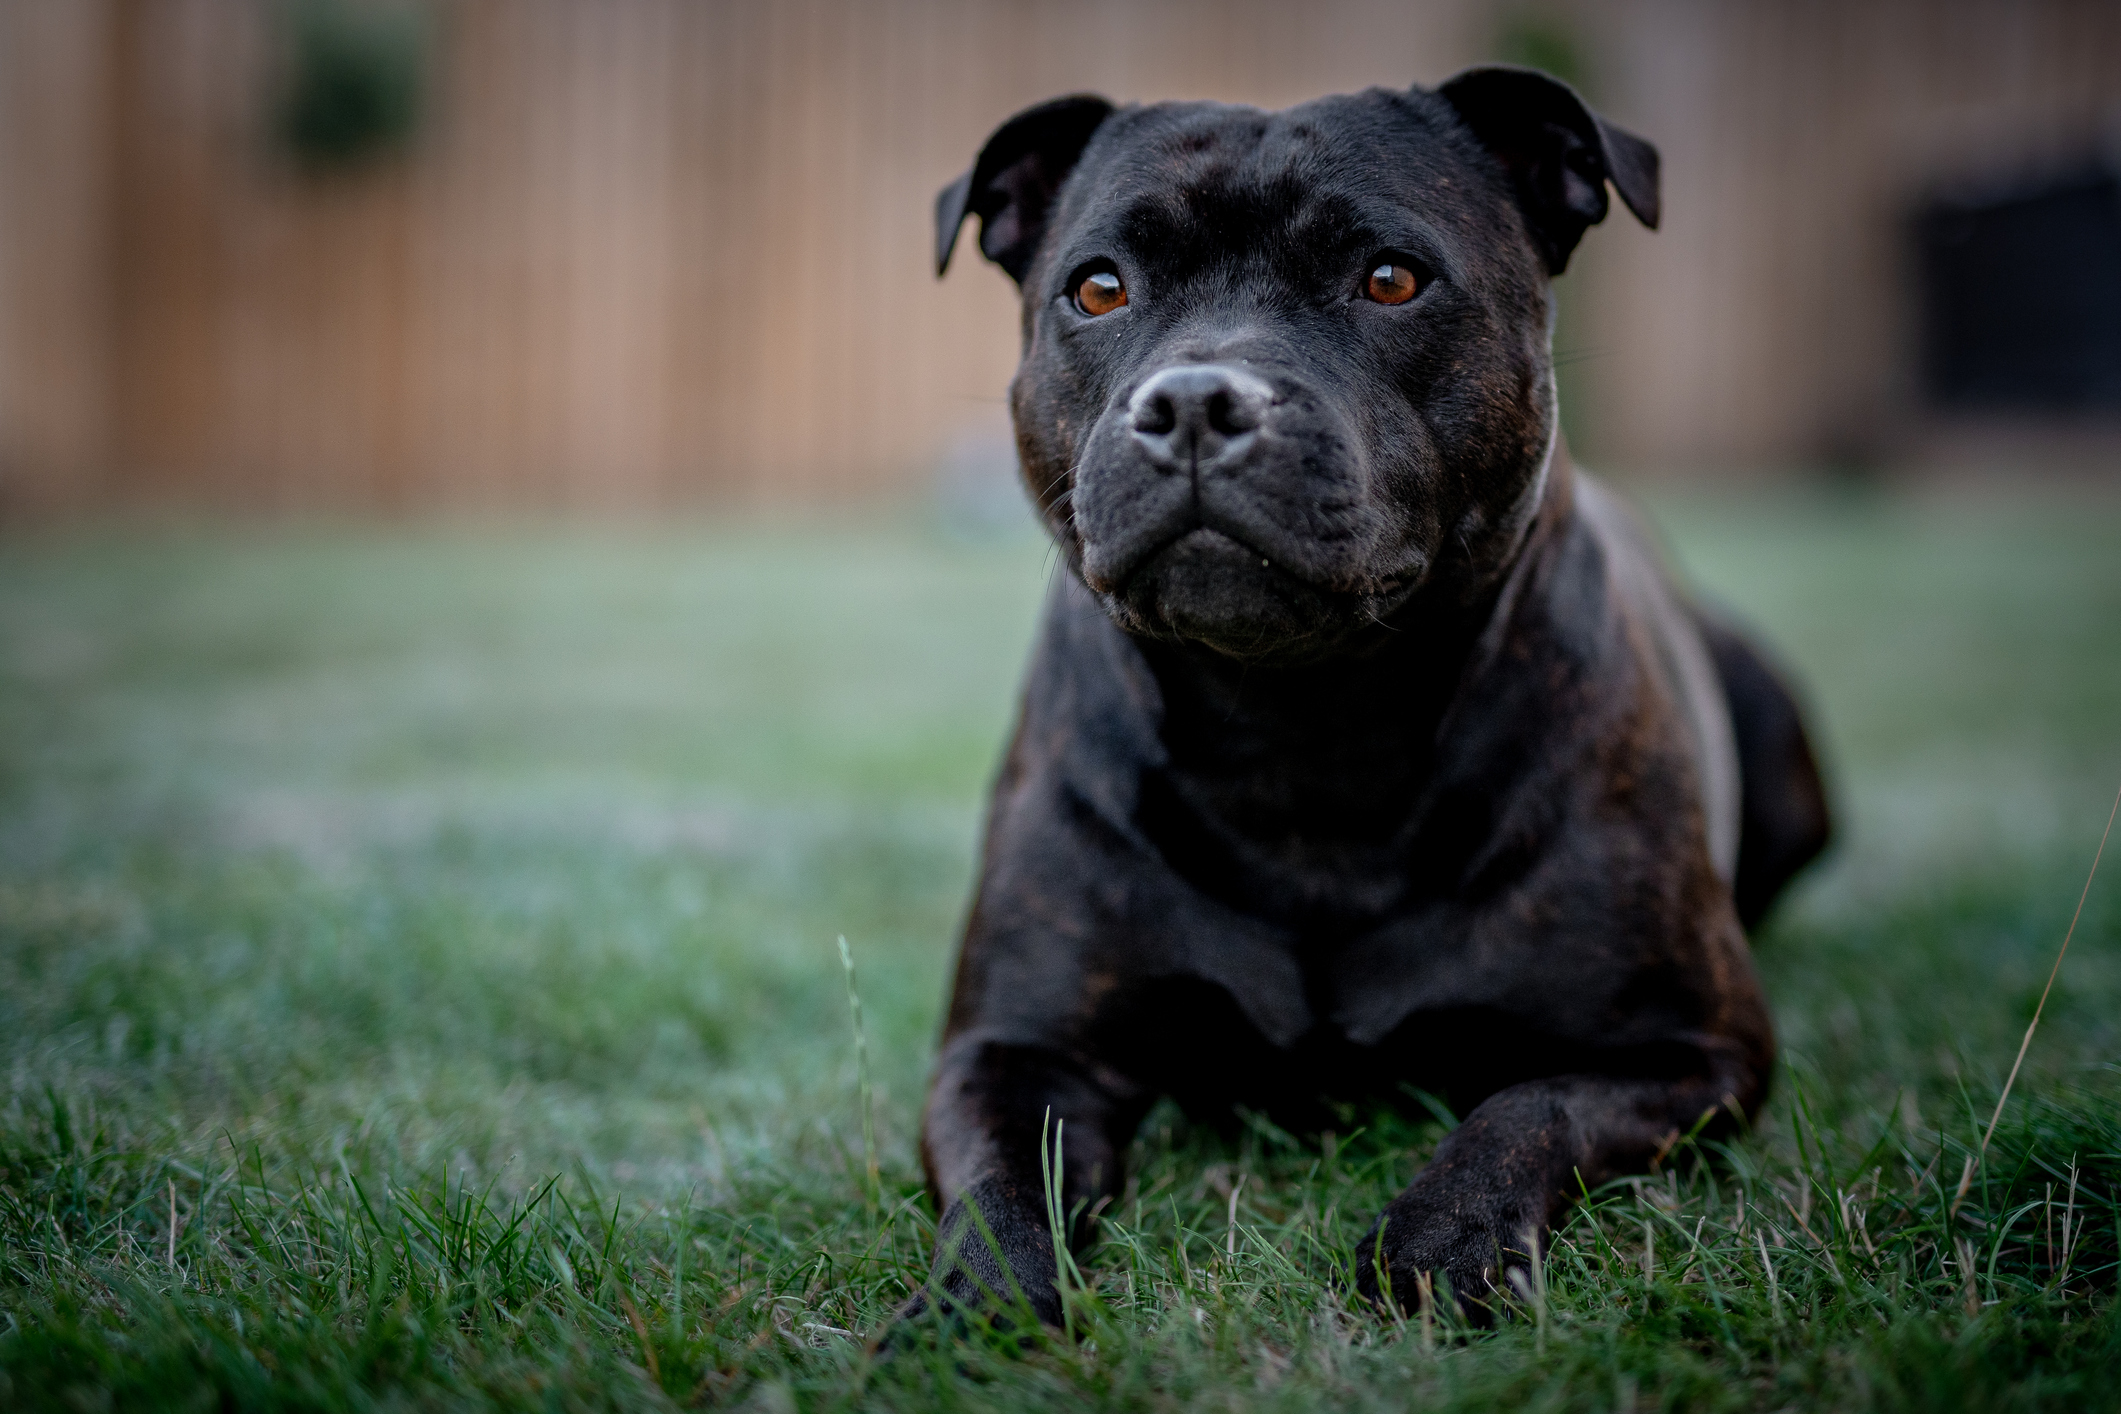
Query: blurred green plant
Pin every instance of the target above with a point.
(1540, 39)
(356, 76)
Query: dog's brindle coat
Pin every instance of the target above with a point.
(1365, 743)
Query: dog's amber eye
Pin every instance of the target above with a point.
(1100, 293)
(1392, 284)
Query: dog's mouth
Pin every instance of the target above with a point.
(1210, 587)
(1277, 550)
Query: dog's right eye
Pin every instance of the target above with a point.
(1100, 292)
(1392, 283)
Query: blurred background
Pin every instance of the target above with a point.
(498, 255)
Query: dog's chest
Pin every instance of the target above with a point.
(1295, 837)
(1298, 799)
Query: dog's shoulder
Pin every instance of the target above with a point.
(1680, 668)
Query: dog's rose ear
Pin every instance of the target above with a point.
(1559, 154)
(1015, 179)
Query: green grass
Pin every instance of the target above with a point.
(418, 987)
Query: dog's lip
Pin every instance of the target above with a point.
(1392, 587)
(1200, 516)
(1144, 555)
(1148, 553)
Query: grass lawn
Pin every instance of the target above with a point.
(418, 987)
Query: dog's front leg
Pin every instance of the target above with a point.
(989, 1109)
(1484, 1204)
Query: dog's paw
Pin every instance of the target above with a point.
(954, 1304)
(904, 1331)
(1425, 1248)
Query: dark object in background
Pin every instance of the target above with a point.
(2021, 298)
(355, 84)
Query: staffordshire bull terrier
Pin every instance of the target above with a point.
(1365, 743)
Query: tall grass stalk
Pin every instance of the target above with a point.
(2025, 1043)
(2052, 973)
(872, 1188)
(1067, 1277)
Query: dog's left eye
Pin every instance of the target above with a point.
(1392, 284)
(1101, 292)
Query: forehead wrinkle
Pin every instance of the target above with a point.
(1223, 204)
(1244, 221)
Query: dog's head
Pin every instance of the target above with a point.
(1283, 371)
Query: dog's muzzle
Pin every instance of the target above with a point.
(1214, 505)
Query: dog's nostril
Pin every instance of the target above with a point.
(1219, 410)
(1157, 414)
(1230, 415)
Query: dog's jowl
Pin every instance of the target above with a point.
(1365, 744)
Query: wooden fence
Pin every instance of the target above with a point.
(642, 253)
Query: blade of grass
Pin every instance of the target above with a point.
(1066, 1276)
(2052, 973)
(873, 1193)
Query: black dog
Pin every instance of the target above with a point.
(1364, 743)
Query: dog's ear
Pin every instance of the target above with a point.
(1558, 152)
(1015, 179)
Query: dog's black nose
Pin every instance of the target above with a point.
(1190, 417)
